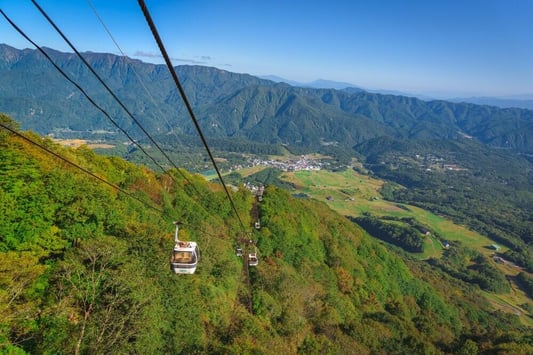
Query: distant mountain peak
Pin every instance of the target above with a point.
(316, 84)
(330, 84)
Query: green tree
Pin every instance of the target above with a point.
(101, 294)
(20, 295)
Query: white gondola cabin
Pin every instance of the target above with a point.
(184, 257)
(253, 260)
(238, 251)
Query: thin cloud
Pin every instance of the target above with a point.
(147, 54)
(204, 58)
(192, 61)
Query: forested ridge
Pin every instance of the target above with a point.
(84, 269)
(235, 106)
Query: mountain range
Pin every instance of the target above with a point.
(519, 101)
(235, 105)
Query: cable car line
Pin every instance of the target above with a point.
(132, 67)
(183, 95)
(31, 141)
(168, 62)
(186, 101)
(66, 76)
(105, 85)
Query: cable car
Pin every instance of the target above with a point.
(185, 255)
(238, 251)
(257, 225)
(252, 258)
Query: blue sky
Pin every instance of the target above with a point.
(443, 48)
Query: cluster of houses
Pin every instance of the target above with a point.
(303, 163)
(432, 162)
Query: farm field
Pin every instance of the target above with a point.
(352, 194)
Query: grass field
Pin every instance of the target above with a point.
(352, 194)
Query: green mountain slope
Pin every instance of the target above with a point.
(40, 98)
(229, 104)
(84, 269)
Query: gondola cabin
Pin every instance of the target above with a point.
(184, 258)
(257, 225)
(252, 259)
(185, 255)
(238, 251)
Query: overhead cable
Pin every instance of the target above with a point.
(186, 101)
(106, 86)
(31, 141)
(132, 67)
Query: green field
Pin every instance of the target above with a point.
(352, 194)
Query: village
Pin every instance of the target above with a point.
(431, 162)
(302, 163)
(427, 162)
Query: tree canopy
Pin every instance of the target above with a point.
(84, 269)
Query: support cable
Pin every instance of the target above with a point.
(132, 67)
(186, 101)
(204, 141)
(118, 188)
(66, 76)
(106, 86)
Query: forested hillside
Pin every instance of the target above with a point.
(489, 190)
(230, 105)
(84, 269)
